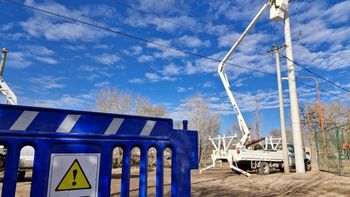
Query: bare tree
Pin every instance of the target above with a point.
(257, 120)
(334, 114)
(204, 120)
(113, 100)
(277, 134)
(234, 130)
(145, 108)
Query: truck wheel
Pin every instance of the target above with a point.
(21, 175)
(264, 168)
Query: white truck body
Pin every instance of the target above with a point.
(268, 155)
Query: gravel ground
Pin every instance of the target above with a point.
(223, 182)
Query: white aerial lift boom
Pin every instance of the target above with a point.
(241, 152)
(4, 88)
(278, 7)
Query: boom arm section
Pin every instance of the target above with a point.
(7, 92)
(4, 88)
(242, 124)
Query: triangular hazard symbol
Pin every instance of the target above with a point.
(74, 179)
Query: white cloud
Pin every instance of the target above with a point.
(54, 28)
(47, 82)
(333, 59)
(107, 59)
(47, 60)
(162, 17)
(101, 84)
(39, 50)
(208, 84)
(236, 10)
(190, 69)
(88, 68)
(39, 26)
(94, 72)
(228, 39)
(159, 41)
(74, 47)
(136, 80)
(180, 89)
(133, 51)
(183, 89)
(164, 52)
(18, 60)
(154, 5)
(193, 41)
(6, 27)
(171, 69)
(66, 101)
(153, 77)
(145, 58)
(205, 65)
(169, 53)
(324, 43)
(24, 58)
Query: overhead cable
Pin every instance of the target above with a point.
(128, 35)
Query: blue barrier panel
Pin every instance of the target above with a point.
(73, 150)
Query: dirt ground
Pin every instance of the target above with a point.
(223, 182)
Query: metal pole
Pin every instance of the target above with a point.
(294, 105)
(283, 126)
(319, 108)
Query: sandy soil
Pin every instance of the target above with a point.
(222, 182)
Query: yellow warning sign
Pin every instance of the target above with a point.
(74, 179)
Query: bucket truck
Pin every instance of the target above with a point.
(262, 154)
(27, 153)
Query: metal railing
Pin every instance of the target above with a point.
(334, 155)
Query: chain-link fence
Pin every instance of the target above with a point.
(334, 154)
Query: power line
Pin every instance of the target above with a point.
(324, 91)
(327, 92)
(317, 75)
(128, 35)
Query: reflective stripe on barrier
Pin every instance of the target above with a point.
(73, 150)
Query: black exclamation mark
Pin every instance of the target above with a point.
(74, 176)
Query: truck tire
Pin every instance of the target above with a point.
(21, 175)
(264, 168)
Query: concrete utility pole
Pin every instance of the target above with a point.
(294, 105)
(276, 50)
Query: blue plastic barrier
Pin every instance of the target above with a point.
(61, 136)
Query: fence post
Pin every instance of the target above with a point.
(339, 152)
(315, 162)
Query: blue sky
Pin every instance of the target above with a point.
(58, 63)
